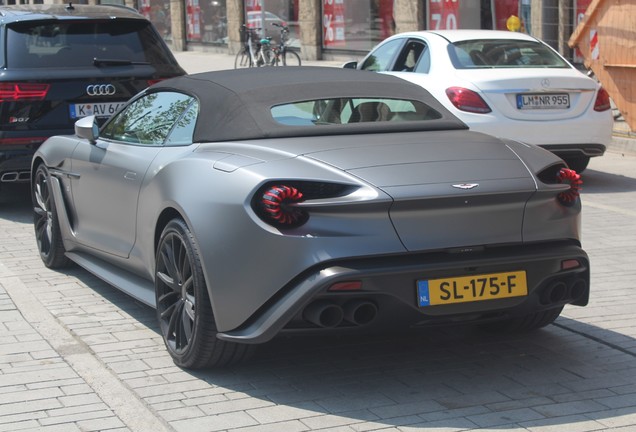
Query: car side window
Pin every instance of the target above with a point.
(183, 131)
(410, 56)
(149, 119)
(381, 59)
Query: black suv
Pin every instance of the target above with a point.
(62, 62)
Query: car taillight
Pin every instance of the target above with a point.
(11, 92)
(602, 102)
(278, 202)
(566, 175)
(467, 100)
(287, 203)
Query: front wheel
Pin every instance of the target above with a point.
(242, 60)
(291, 58)
(45, 221)
(184, 310)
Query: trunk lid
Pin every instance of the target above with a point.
(446, 189)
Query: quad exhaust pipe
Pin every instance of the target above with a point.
(560, 291)
(15, 176)
(326, 314)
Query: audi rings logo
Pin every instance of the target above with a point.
(100, 90)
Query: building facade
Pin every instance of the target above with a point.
(334, 29)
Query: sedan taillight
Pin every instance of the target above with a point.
(467, 100)
(12, 92)
(278, 202)
(602, 102)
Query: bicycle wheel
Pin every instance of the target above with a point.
(242, 60)
(268, 57)
(291, 58)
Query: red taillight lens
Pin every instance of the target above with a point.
(602, 102)
(278, 202)
(467, 100)
(346, 286)
(11, 92)
(569, 176)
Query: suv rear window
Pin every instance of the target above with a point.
(38, 44)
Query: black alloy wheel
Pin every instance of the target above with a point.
(184, 310)
(45, 221)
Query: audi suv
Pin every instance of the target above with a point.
(63, 62)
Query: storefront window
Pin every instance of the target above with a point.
(206, 21)
(262, 14)
(356, 25)
(158, 12)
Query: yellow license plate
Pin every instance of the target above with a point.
(471, 288)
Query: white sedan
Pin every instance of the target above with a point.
(505, 84)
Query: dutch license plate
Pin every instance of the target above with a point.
(543, 101)
(100, 109)
(471, 288)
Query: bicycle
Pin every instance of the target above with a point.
(253, 54)
(281, 53)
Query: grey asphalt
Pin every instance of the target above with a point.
(77, 355)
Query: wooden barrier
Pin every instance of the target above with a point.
(606, 38)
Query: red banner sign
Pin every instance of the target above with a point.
(333, 23)
(443, 14)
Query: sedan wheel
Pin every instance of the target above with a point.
(45, 221)
(183, 305)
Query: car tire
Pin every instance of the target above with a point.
(577, 163)
(45, 221)
(526, 323)
(183, 304)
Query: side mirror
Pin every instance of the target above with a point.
(350, 65)
(87, 128)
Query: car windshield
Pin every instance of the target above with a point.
(352, 110)
(503, 53)
(38, 44)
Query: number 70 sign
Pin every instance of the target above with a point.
(443, 14)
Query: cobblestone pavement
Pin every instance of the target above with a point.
(77, 355)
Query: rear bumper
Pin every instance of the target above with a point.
(390, 294)
(565, 150)
(16, 152)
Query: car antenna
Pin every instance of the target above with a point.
(70, 6)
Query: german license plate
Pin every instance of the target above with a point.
(464, 289)
(543, 101)
(100, 109)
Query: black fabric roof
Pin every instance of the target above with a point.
(235, 104)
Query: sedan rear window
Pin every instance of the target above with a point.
(504, 53)
(352, 110)
(38, 44)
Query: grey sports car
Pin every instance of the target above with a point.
(246, 203)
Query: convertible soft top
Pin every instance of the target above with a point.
(236, 104)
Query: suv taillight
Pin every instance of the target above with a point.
(12, 92)
(467, 100)
(602, 102)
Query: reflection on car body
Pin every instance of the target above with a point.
(247, 203)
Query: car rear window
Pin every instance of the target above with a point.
(504, 53)
(352, 110)
(37, 44)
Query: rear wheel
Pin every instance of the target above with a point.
(184, 310)
(242, 60)
(525, 323)
(577, 163)
(45, 221)
(291, 58)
